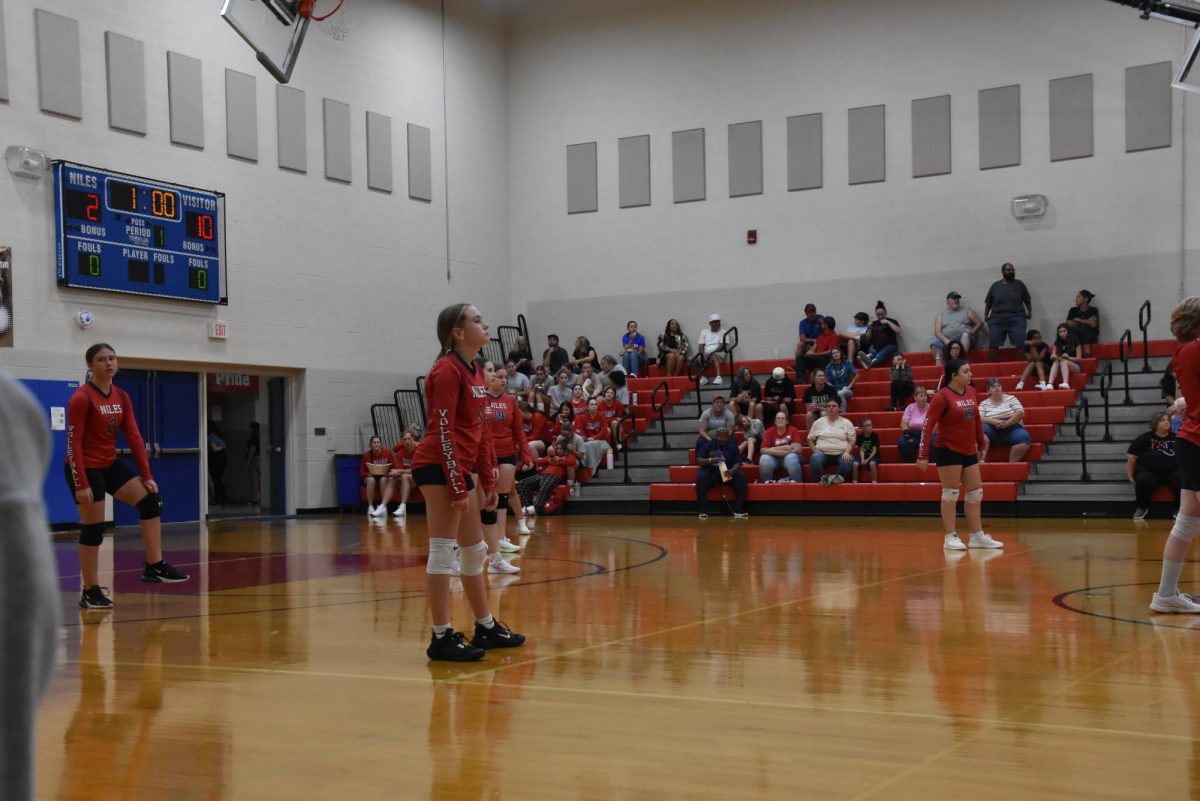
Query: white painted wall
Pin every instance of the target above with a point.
(584, 71)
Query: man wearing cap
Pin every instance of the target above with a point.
(954, 322)
(711, 347)
(720, 464)
(555, 358)
(716, 416)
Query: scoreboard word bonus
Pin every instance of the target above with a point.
(121, 233)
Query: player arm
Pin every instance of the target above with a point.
(77, 414)
(442, 391)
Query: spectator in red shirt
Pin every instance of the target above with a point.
(611, 410)
(534, 423)
(553, 469)
(593, 427)
(782, 444)
(377, 480)
(819, 353)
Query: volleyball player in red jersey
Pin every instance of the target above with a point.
(954, 413)
(405, 449)
(1185, 326)
(508, 436)
(612, 410)
(456, 442)
(95, 413)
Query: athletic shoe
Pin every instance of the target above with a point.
(826, 479)
(740, 515)
(370, 510)
(704, 515)
(453, 647)
(1178, 604)
(864, 361)
(508, 546)
(523, 528)
(498, 564)
(95, 598)
(717, 381)
(380, 511)
(1044, 385)
(162, 573)
(1140, 513)
(401, 510)
(1020, 385)
(981, 539)
(530, 511)
(953, 543)
(498, 636)
(703, 380)
(1064, 385)
(836, 478)
(768, 481)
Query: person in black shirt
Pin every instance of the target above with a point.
(1007, 310)
(817, 395)
(747, 394)
(1151, 463)
(1083, 319)
(778, 392)
(712, 455)
(1037, 357)
(555, 358)
(522, 356)
(866, 451)
(880, 341)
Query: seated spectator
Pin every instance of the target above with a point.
(811, 327)
(1037, 357)
(714, 417)
(540, 384)
(590, 381)
(842, 376)
(584, 353)
(613, 375)
(778, 393)
(880, 341)
(1064, 357)
(534, 424)
(562, 427)
(592, 426)
(579, 401)
(673, 349)
(521, 356)
(719, 466)
(866, 451)
(554, 358)
(954, 350)
(611, 410)
(710, 349)
(377, 479)
(1002, 415)
(955, 323)
(561, 423)
(1083, 320)
(1007, 310)
(1151, 463)
(752, 437)
(911, 423)
(560, 393)
(818, 354)
(852, 337)
(902, 382)
(554, 468)
(633, 350)
(1176, 406)
(832, 440)
(782, 444)
(816, 396)
(519, 384)
(402, 475)
(747, 394)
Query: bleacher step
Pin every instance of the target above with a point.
(1045, 472)
(1075, 490)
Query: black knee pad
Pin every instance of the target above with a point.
(503, 502)
(91, 533)
(150, 507)
(488, 518)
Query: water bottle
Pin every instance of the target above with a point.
(635, 399)
(608, 460)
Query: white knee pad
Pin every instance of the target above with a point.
(1186, 528)
(974, 496)
(473, 557)
(441, 557)
(950, 495)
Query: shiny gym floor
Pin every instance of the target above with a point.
(810, 658)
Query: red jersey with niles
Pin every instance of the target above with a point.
(457, 439)
(592, 427)
(93, 420)
(534, 426)
(1186, 364)
(556, 465)
(956, 417)
(403, 457)
(505, 422)
(370, 457)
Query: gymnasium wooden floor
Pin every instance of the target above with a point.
(790, 658)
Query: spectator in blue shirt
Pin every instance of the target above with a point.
(810, 328)
(633, 350)
(842, 376)
(712, 455)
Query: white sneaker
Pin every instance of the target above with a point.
(1020, 385)
(401, 510)
(717, 381)
(498, 564)
(523, 528)
(370, 510)
(1178, 604)
(530, 512)
(953, 543)
(1044, 385)
(981, 539)
(380, 511)
(836, 478)
(1140, 513)
(1064, 385)
(507, 546)
(703, 515)
(703, 380)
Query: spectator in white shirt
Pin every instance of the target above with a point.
(832, 441)
(711, 347)
(519, 384)
(1002, 415)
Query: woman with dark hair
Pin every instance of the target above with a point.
(953, 437)
(912, 422)
(954, 350)
(584, 352)
(95, 414)
(375, 471)
(1083, 320)
(881, 339)
(1150, 463)
(1064, 357)
(746, 394)
(456, 444)
(633, 350)
(902, 382)
(672, 348)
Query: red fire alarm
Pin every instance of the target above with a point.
(752, 237)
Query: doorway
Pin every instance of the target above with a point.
(245, 445)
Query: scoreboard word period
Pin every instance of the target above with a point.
(122, 233)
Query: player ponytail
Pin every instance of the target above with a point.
(450, 318)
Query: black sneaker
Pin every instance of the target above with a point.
(452, 647)
(498, 636)
(164, 573)
(95, 598)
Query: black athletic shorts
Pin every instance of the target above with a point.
(507, 460)
(944, 457)
(1188, 456)
(102, 479)
(432, 474)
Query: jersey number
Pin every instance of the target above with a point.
(112, 425)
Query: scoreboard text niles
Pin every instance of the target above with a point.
(121, 233)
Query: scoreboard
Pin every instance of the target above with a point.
(122, 233)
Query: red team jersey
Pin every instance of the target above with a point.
(457, 439)
(403, 457)
(534, 427)
(956, 417)
(592, 427)
(93, 420)
(772, 438)
(508, 433)
(613, 412)
(1186, 364)
(383, 457)
(556, 465)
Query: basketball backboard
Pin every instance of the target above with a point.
(274, 28)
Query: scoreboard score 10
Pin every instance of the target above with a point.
(122, 233)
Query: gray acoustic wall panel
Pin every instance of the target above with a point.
(999, 127)
(931, 136)
(241, 115)
(185, 88)
(745, 159)
(290, 124)
(125, 69)
(633, 168)
(581, 178)
(60, 80)
(336, 116)
(379, 152)
(3, 60)
(865, 130)
(420, 163)
(1071, 118)
(1148, 107)
(804, 152)
(687, 165)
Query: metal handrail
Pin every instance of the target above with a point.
(624, 438)
(696, 368)
(1125, 348)
(1144, 324)
(660, 408)
(523, 327)
(1106, 379)
(1081, 423)
(730, 348)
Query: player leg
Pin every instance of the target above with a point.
(369, 483)
(950, 476)
(489, 632)
(972, 487)
(1186, 527)
(149, 506)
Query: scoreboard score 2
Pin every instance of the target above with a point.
(122, 233)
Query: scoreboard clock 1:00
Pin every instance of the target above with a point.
(122, 233)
